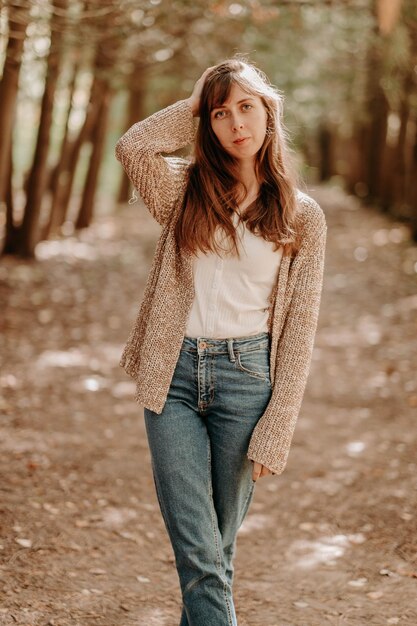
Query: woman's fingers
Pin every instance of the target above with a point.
(194, 99)
(259, 470)
(256, 470)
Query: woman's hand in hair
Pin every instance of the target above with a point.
(194, 99)
(259, 470)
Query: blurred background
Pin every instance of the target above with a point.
(76, 75)
(333, 540)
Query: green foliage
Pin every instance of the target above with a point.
(321, 56)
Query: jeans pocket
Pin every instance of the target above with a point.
(255, 363)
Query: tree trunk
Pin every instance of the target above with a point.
(98, 137)
(57, 182)
(105, 54)
(377, 133)
(412, 190)
(8, 97)
(372, 132)
(396, 175)
(98, 89)
(408, 182)
(325, 141)
(400, 161)
(11, 241)
(388, 180)
(30, 234)
(136, 112)
(388, 14)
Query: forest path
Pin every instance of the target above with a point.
(332, 541)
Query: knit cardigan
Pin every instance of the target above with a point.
(154, 344)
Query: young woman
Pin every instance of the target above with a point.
(221, 347)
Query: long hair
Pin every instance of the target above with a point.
(214, 189)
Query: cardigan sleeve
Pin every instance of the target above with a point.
(271, 438)
(159, 179)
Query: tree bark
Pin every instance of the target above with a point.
(97, 92)
(85, 214)
(58, 209)
(11, 240)
(30, 233)
(412, 190)
(400, 162)
(325, 141)
(136, 112)
(408, 182)
(371, 134)
(376, 132)
(18, 18)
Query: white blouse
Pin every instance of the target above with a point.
(232, 294)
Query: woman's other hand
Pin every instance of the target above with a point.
(260, 470)
(194, 99)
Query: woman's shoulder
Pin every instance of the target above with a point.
(311, 223)
(310, 213)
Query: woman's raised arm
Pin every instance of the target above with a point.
(159, 179)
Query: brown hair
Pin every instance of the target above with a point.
(213, 187)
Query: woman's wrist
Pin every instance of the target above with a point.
(193, 104)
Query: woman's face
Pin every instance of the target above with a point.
(240, 124)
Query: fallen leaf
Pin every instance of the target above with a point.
(143, 579)
(359, 582)
(81, 523)
(300, 604)
(25, 543)
(97, 571)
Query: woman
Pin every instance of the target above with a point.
(221, 347)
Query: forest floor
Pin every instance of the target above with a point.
(332, 541)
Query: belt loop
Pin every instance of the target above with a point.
(230, 349)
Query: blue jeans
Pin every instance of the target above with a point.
(202, 475)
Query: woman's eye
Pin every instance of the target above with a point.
(218, 115)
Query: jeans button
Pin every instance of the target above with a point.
(202, 345)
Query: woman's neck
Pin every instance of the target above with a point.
(249, 182)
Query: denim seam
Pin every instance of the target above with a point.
(162, 504)
(206, 381)
(247, 501)
(216, 538)
(208, 351)
(212, 385)
(199, 368)
(262, 346)
(257, 375)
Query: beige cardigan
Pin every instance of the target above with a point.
(154, 344)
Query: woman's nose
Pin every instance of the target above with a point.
(236, 123)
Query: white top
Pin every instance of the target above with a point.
(231, 293)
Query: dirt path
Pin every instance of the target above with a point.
(333, 541)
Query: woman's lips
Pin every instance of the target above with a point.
(240, 141)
